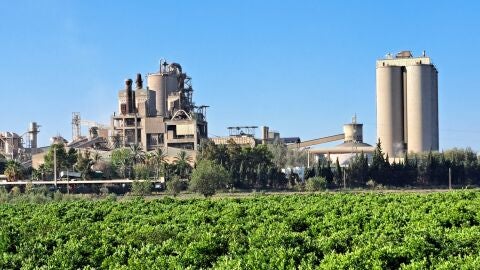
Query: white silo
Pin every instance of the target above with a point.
(157, 82)
(407, 104)
(163, 83)
(419, 108)
(390, 109)
(435, 143)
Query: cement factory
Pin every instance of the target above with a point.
(162, 114)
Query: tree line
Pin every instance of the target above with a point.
(429, 169)
(230, 167)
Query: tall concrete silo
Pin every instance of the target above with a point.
(435, 143)
(390, 109)
(419, 108)
(157, 82)
(163, 83)
(407, 104)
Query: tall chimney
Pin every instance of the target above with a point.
(139, 81)
(129, 92)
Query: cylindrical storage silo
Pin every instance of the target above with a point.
(419, 108)
(390, 109)
(353, 132)
(157, 82)
(435, 142)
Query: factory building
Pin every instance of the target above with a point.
(162, 114)
(352, 145)
(16, 146)
(407, 104)
(245, 137)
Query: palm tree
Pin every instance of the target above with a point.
(158, 157)
(42, 171)
(137, 153)
(13, 171)
(182, 162)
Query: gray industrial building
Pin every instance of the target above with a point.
(162, 114)
(20, 147)
(407, 104)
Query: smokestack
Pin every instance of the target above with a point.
(139, 81)
(129, 92)
(33, 132)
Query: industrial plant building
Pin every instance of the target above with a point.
(20, 147)
(352, 144)
(162, 114)
(245, 136)
(407, 104)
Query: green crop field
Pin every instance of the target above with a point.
(325, 231)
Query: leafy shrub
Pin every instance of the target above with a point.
(174, 186)
(141, 188)
(15, 191)
(316, 183)
(141, 171)
(371, 184)
(29, 189)
(326, 231)
(207, 177)
(104, 191)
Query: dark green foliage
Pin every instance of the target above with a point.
(174, 186)
(328, 231)
(84, 164)
(122, 162)
(316, 183)
(207, 177)
(141, 171)
(141, 187)
(248, 167)
(358, 170)
(65, 160)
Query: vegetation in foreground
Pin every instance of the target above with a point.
(327, 231)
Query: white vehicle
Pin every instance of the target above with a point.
(70, 175)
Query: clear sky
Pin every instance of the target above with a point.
(303, 68)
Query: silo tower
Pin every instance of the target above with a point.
(407, 104)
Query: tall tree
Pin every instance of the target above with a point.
(65, 159)
(84, 164)
(279, 153)
(158, 157)
(13, 171)
(182, 164)
(122, 161)
(377, 167)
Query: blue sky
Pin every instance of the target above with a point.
(301, 67)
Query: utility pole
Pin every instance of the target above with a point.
(55, 166)
(308, 157)
(68, 186)
(449, 178)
